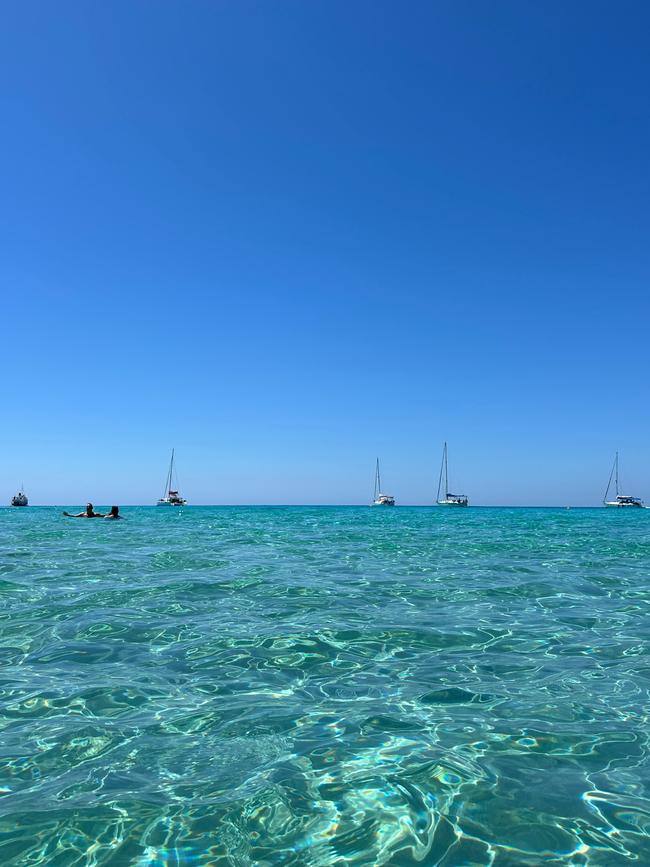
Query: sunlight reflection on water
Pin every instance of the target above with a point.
(251, 686)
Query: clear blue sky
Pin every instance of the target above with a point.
(288, 237)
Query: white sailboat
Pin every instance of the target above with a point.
(380, 499)
(171, 497)
(449, 499)
(20, 499)
(622, 501)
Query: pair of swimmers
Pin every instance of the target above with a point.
(114, 513)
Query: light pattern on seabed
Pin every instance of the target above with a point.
(325, 686)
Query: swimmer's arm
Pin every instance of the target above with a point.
(80, 515)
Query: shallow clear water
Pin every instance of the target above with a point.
(325, 686)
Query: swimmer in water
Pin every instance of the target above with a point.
(114, 514)
(89, 513)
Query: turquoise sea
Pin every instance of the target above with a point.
(325, 686)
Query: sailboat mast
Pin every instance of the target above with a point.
(446, 475)
(168, 480)
(377, 481)
(609, 483)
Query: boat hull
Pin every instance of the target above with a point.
(458, 504)
(166, 503)
(624, 505)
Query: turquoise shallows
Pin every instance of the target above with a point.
(325, 686)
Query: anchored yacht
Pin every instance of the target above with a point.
(621, 501)
(171, 497)
(380, 499)
(20, 499)
(449, 499)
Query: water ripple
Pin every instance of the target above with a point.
(312, 686)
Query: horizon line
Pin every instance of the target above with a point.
(311, 505)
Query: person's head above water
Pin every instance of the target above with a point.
(114, 511)
(88, 512)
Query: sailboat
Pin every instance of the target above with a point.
(380, 499)
(449, 499)
(622, 500)
(170, 497)
(20, 499)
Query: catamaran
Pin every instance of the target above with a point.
(380, 499)
(622, 500)
(449, 499)
(20, 499)
(170, 497)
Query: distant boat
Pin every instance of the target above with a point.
(20, 499)
(380, 499)
(621, 501)
(171, 497)
(449, 499)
